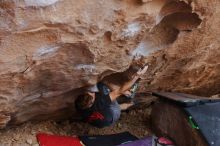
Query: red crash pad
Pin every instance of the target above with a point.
(54, 140)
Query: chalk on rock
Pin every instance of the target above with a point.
(41, 3)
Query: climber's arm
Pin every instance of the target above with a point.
(127, 85)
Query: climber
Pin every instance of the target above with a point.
(101, 109)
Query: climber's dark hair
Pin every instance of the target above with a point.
(84, 101)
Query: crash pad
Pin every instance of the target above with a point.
(54, 140)
(206, 118)
(203, 113)
(184, 99)
(108, 140)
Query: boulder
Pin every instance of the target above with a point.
(51, 49)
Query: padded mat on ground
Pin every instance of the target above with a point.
(184, 99)
(142, 142)
(108, 140)
(207, 117)
(53, 140)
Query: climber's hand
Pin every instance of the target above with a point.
(142, 70)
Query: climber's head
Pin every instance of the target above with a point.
(85, 101)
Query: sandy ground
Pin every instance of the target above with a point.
(135, 121)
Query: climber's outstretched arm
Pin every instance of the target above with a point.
(127, 85)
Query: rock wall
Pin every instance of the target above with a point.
(51, 49)
(192, 63)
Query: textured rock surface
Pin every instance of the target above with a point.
(50, 49)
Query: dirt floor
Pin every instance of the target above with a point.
(135, 121)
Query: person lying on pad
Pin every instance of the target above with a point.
(101, 108)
